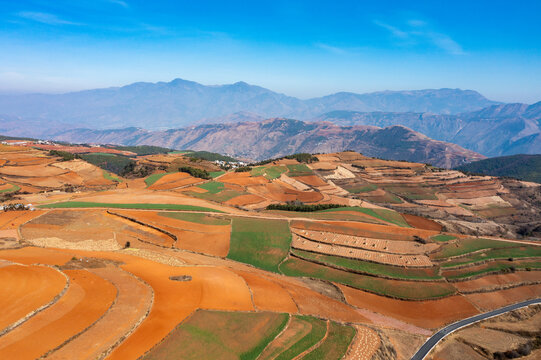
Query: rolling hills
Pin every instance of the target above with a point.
(277, 137)
(523, 167)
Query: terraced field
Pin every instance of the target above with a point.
(170, 266)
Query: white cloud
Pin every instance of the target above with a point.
(45, 18)
(416, 32)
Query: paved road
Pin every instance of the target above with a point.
(432, 341)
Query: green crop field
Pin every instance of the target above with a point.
(13, 188)
(465, 246)
(443, 237)
(335, 346)
(317, 332)
(382, 214)
(213, 187)
(360, 188)
(111, 177)
(370, 268)
(497, 266)
(215, 174)
(394, 288)
(220, 335)
(505, 253)
(197, 218)
(154, 177)
(83, 204)
(274, 172)
(260, 242)
(298, 170)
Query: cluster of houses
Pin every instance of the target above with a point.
(230, 164)
(17, 207)
(26, 142)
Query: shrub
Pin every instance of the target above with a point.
(243, 169)
(195, 172)
(299, 206)
(64, 155)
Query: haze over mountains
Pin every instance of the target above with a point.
(279, 137)
(180, 103)
(225, 118)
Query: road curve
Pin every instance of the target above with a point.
(436, 338)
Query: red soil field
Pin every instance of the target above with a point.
(244, 200)
(84, 149)
(133, 301)
(267, 294)
(87, 299)
(210, 288)
(207, 239)
(494, 300)
(33, 255)
(429, 314)
(500, 280)
(32, 171)
(313, 303)
(421, 223)
(311, 180)
(25, 289)
(243, 178)
(24, 216)
(172, 181)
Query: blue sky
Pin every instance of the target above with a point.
(301, 48)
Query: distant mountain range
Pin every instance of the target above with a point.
(522, 167)
(181, 103)
(277, 137)
(493, 131)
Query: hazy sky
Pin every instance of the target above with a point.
(301, 48)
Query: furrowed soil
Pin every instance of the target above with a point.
(427, 314)
(87, 299)
(25, 289)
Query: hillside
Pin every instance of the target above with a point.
(181, 103)
(493, 131)
(325, 255)
(523, 167)
(277, 137)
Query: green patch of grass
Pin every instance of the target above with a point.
(319, 328)
(493, 267)
(382, 214)
(111, 177)
(197, 218)
(361, 189)
(209, 335)
(505, 253)
(212, 187)
(400, 289)
(259, 242)
(370, 268)
(215, 174)
(180, 152)
(274, 172)
(298, 170)
(13, 188)
(258, 171)
(153, 178)
(443, 237)
(465, 246)
(220, 197)
(335, 346)
(83, 204)
(413, 192)
(255, 351)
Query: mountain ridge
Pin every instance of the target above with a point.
(182, 102)
(279, 136)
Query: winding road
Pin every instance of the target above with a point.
(437, 337)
